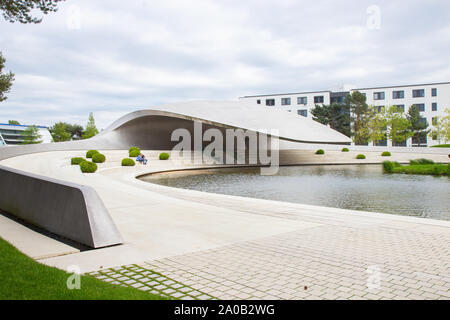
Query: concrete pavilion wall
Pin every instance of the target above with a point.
(76, 212)
(67, 209)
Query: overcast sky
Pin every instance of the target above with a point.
(112, 57)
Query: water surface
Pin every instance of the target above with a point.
(358, 187)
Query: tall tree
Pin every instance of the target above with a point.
(419, 125)
(441, 127)
(6, 79)
(336, 115)
(31, 135)
(59, 132)
(356, 102)
(91, 129)
(75, 130)
(21, 10)
(376, 125)
(399, 127)
(446, 125)
(13, 122)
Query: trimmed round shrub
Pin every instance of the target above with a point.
(127, 162)
(163, 156)
(88, 167)
(134, 152)
(320, 151)
(388, 166)
(345, 150)
(76, 160)
(360, 156)
(90, 153)
(98, 158)
(386, 154)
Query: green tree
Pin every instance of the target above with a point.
(13, 122)
(356, 103)
(31, 135)
(20, 10)
(59, 132)
(399, 127)
(6, 79)
(441, 127)
(91, 129)
(419, 125)
(446, 125)
(376, 125)
(437, 132)
(336, 115)
(75, 130)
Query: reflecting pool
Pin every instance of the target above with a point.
(358, 187)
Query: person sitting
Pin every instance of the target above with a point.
(141, 159)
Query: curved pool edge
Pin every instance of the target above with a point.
(196, 195)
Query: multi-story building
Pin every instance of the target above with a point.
(12, 134)
(430, 98)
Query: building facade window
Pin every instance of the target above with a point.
(302, 100)
(285, 101)
(270, 102)
(400, 107)
(378, 95)
(418, 93)
(318, 99)
(398, 94)
(379, 108)
(434, 121)
(303, 112)
(433, 92)
(434, 106)
(258, 101)
(420, 106)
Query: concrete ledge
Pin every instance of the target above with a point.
(67, 209)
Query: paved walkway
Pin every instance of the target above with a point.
(193, 245)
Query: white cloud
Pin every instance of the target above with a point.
(128, 55)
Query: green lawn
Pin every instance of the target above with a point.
(441, 146)
(23, 278)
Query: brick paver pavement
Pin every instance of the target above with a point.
(325, 262)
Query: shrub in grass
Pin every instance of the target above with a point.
(127, 162)
(320, 151)
(88, 167)
(420, 161)
(76, 160)
(388, 166)
(386, 154)
(90, 153)
(134, 152)
(164, 156)
(98, 158)
(345, 150)
(360, 156)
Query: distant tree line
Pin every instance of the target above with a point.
(60, 131)
(365, 124)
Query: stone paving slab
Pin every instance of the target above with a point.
(331, 263)
(142, 278)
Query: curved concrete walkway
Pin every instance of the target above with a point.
(234, 247)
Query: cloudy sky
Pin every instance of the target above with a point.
(112, 57)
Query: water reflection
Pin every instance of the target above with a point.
(358, 187)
